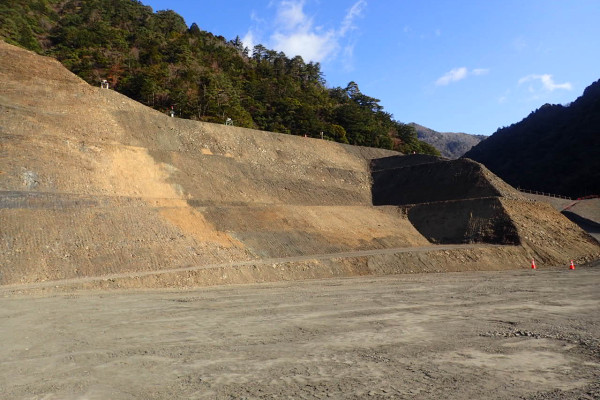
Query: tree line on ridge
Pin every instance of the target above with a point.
(156, 59)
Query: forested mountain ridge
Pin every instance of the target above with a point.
(450, 144)
(556, 149)
(156, 59)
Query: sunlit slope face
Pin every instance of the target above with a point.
(93, 184)
(103, 143)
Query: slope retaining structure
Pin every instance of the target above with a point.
(98, 191)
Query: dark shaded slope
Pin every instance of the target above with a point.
(447, 201)
(556, 149)
(432, 181)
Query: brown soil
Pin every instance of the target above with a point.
(465, 221)
(97, 190)
(585, 213)
(493, 335)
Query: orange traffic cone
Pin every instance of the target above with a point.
(533, 264)
(572, 266)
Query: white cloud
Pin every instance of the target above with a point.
(309, 45)
(502, 99)
(534, 87)
(249, 41)
(348, 52)
(347, 55)
(546, 81)
(255, 18)
(290, 15)
(480, 71)
(458, 74)
(295, 33)
(453, 75)
(355, 11)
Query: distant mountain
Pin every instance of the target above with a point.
(556, 149)
(450, 144)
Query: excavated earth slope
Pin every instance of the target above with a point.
(98, 191)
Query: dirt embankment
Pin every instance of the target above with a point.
(461, 201)
(93, 184)
(439, 180)
(585, 213)
(482, 220)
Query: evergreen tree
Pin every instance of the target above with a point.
(154, 58)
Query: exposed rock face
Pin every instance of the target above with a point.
(99, 191)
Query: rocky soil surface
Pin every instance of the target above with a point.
(98, 191)
(486, 335)
(584, 212)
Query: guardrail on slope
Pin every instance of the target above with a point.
(558, 196)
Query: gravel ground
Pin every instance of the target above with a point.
(496, 335)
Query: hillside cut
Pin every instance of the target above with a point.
(98, 191)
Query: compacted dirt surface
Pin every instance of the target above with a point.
(526, 334)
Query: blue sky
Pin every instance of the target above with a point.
(453, 66)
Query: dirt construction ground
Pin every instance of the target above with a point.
(98, 192)
(472, 335)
